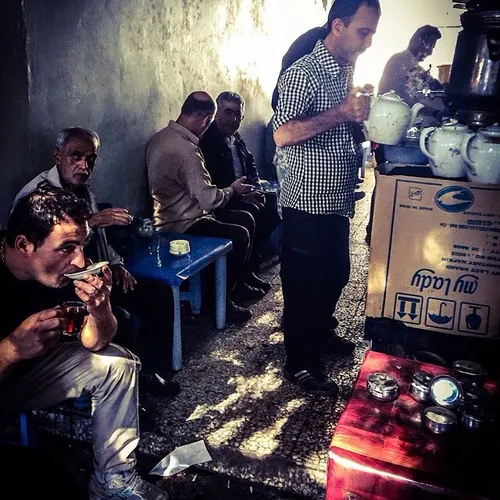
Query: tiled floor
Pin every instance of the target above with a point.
(256, 426)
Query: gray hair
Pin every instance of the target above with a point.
(67, 133)
(230, 97)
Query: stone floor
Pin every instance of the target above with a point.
(257, 427)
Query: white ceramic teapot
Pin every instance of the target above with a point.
(443, 149)
(389, 119)
(481, 154)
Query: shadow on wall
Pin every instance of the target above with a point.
(120, 177)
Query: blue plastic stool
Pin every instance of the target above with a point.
(82, 402)
(27, 437)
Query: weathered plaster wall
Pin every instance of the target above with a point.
(13, 103)
(124, 67)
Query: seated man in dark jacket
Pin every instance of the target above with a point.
(227, 159)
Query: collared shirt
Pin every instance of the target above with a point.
(218, 155)
(303, 45)
(321, 173)
(104, 250)
(235, 153)
(180, 184)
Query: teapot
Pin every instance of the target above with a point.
(443, 149)
(481, 154)
(389, 119)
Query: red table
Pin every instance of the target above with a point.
(382, 451)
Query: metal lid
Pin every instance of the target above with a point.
(381, 381)
(446, 391)
(439, 415)
(469, 368)
(453, 125)
(391, 96)
(422, 379)
(491, 131)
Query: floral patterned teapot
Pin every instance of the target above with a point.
(442, 146)
(481, 153)
(390, 118)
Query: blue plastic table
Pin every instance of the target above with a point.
(151, 258)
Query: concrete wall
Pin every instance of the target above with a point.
(124, 67)
(14, 145)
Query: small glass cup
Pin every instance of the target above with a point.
(75, 312)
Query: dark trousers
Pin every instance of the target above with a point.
(315, 268)
(151, 303)
(266, 221)
(239, 227)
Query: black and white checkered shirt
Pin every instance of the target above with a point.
(321, 173)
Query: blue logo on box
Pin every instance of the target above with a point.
(454, 199)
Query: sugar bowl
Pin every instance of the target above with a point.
(419, 387)
(439, 420)
(382, 386)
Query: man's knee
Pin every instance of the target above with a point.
(241, 237)
(246, 219)
(117, 358)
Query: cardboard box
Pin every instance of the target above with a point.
(435, 255)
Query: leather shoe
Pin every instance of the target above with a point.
(243, 292)
(158, 386)
(316, 384)
(237, 314)
(254, 281)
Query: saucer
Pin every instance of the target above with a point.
(92, 269)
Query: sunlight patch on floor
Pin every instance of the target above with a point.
(254, 387)
(258, 386)
(267, 318)
(232, 357)
(227, 431)
(265, 441)
(276, 338)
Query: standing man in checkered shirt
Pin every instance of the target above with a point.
(314, 122)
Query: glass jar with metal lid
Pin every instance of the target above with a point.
(382, 386)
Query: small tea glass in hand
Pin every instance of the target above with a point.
(75, 312)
